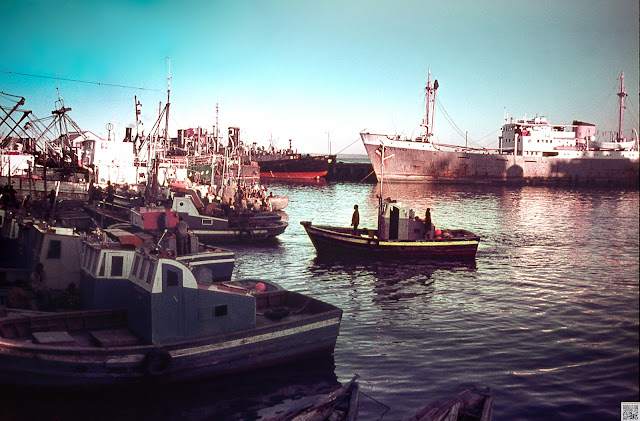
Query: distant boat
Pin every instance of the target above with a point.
(169, 329)
(531, 150)
(277, 202)
(471, 405)
(290, 165)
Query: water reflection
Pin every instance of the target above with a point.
(232, 397)
(390, 280)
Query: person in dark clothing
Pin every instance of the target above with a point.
(182, 237)
(111, 191)
(355, 219)
(428, 225)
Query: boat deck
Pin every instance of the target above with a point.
(108, 328)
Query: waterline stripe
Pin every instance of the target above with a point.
(254, 339)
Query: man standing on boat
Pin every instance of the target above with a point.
(182, 237)
(355, 219)
(428, 226)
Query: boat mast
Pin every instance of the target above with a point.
(166, 127)
(430, 106)
(622, 94)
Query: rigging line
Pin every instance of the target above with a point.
(448, 117)
(351, 144)
(81, 81)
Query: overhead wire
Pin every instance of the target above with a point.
(81, 81)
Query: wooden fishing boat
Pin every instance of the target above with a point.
(338, 241)
(218, 225)
(470, 405)
(341, 404)
(170, 329)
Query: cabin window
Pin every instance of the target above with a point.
(117, 263)
(55, 249)
(136, 266)
(220, 311)
(207, 222)
(172, 278)
(150, 274)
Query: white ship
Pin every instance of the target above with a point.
(530, 151)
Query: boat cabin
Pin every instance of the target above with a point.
(397, 222)
(108, 265)
(166, 303)
(104, 276)
(60, 252)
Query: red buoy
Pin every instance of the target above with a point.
(260, 287)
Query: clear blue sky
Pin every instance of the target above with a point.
(297, 69)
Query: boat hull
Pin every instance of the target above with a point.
(23, 363)
(301, 167)
(412, 161)
(337, 241)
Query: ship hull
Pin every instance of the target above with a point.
(294, 167)
(410, 161)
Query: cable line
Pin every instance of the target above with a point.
(81, 81)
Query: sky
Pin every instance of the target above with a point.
(320, 72)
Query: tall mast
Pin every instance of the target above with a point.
(166, 127)
(430, 106)
(217, 131)
(622, 94)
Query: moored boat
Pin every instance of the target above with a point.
(288, 164)
(472, 404)
(341, 404)
(531, 150)
(221, 223)
(170, 329)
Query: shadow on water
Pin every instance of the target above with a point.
(232, 397)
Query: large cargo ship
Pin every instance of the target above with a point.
(530, 151)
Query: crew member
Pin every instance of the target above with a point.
(428, 226)
(355, 219)
(182, 237)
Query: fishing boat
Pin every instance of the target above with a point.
(470, 405)
(531, 150)
(169, 328)
(400, 234)
(220, 223)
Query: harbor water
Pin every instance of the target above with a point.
(547, 316)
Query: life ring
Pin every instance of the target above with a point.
(157, 361)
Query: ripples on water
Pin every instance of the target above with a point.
(547, 316)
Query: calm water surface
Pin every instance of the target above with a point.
(547, 317)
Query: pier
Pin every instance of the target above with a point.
(351, 171)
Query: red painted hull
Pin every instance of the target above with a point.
(311, 175)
